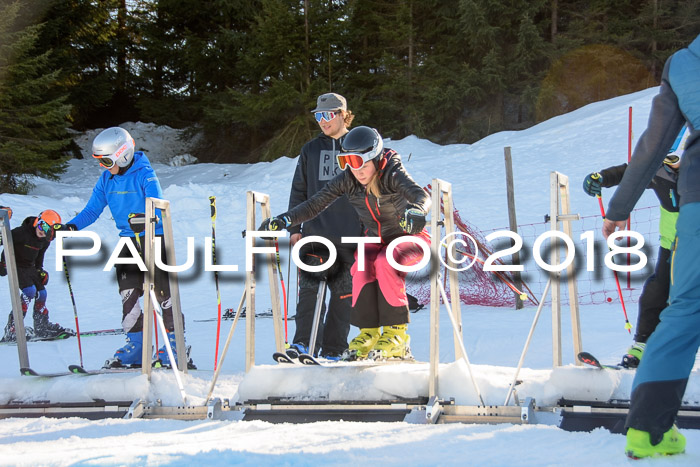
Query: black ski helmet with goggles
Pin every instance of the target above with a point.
(361, 145)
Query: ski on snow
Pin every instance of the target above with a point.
(77, 370)
(589, 359)
(29, 372)
(282, 357)
(63, 336)
(307, 359)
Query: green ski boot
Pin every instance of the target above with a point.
(639, 444)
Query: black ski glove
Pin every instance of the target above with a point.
(275, 224)
(3, 269)
(592, 184)
(413, 221)
(43, 276)
(137, 222)
(65, 228)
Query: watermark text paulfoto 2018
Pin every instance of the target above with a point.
(453, 242)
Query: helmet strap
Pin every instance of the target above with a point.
(122, 170)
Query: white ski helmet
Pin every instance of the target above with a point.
(113, 146)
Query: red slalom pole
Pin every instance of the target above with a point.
(628, 326)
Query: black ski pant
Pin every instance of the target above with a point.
(131, 279)
(372, 310)
(654, 296)
(334, 326)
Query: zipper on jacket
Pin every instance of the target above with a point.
(379, 224)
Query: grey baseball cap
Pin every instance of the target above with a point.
(330, 101)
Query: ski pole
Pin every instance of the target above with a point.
(628, 326)
(239, 310)
(75, 311)
(289, 277)
(284, 290)
(212, 205)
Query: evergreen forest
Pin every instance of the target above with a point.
(244, 74)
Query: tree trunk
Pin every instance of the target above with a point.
(553, 30)
(654, 44)
(307, 44)
(121, 47)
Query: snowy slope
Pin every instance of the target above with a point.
(575, 144)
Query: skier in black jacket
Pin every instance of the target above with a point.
(654, 295)
(390, 205)
(316, 167)
(30, 241)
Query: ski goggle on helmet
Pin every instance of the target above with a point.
(361, 145)
(113, 146)
(46, 220)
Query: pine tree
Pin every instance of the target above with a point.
(283, 68)
(33, 123)
(80, 34)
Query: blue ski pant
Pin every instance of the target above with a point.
(662, 376)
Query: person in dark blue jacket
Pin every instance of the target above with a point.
(662, 376)
(124, 187)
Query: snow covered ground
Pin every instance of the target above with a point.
(575, 144)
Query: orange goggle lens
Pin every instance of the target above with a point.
(105, 161)
(355, 161)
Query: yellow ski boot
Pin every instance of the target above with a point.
(361, 345)
(394, 343)
(639, 444)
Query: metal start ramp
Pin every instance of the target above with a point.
(308, 411)
(611, 415)
(96, 410)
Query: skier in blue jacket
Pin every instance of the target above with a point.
(124, 187)
(662, 376)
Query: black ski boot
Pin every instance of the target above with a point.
(10, 335)
(45, 329)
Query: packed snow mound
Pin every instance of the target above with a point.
(161, 143)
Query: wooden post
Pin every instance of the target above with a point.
(252, 199)
(149, 248)
(554, 275)
(435, 232)
(250, 290)
(13, 282)
(513, 223)
(560, 216)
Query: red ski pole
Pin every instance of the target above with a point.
(212, 205)
(628, 326)
(284, 290)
